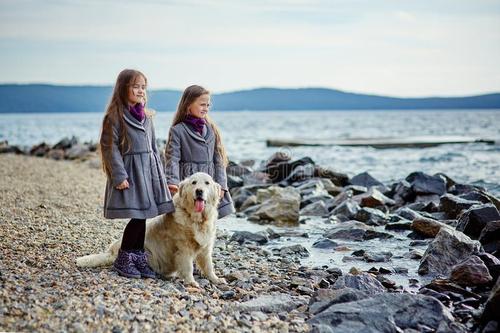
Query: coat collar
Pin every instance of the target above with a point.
(132, 121)
(209, 133)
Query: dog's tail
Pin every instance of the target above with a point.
(99, 259)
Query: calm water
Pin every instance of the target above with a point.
(245, 134)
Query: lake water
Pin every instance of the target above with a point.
(245, 133)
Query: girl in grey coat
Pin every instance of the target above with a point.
(136, 186)
(195, 145)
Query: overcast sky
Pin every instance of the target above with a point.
(398, 48)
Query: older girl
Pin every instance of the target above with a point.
(136, 187)
(195, 144)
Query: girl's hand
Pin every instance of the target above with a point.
(221, 194)
(173, 188)
(123, 185)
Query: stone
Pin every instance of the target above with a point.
(256, 178)
(470, 272)
(427, 227)
(474, 219)
(292, 250)
(448, 248)
(40, 149)
(280, 168)
(272, 303)
(66, 143)
(399, 226)
(407, 213)
(371, 216)
(364, 282)
(278, 205)
(356, 189)
(330, 187)
(249, 202)
(347, 209)
(490, 237)
(453, 205)
(492, 305)
(324, 243)
(337, 178)
(56, 154)
(237, 170)
(247, 236)
(77, 152)
(366, 180)
(324, 298)
(403, 193)
(354, 230)
(377, 257)
(387, 312)
(373, 198)
(422, 183)
(234, 181)
(317, 208)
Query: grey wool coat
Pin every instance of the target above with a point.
(148, 195)
(189, 152)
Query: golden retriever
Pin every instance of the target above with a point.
(174, 241)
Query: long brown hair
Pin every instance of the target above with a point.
(114, 114)
(188, 97)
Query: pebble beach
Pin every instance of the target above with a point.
(51, 213)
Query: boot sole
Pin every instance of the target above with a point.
(132, 276)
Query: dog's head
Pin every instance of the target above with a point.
(199, 190)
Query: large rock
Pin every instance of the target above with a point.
(337, 178)
(366, 180)
(272, 303)
(453, 205)
(371, 216)
(324, 298)
(354, 230)
(364, 282)
(470, 272)
(387, 313)
(448, 248)
(373, 198)
(77, 152)
(279, 166)
(346, 210)
(66, 143)
(40, 149)
(474, 219)
(403, 193)
(427, 227)
(492, 305)
(422, 183)
(277, 205)
(490, 237)
(247, 236)
(317, 208)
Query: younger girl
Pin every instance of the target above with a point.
(195, 145)
(136, 187)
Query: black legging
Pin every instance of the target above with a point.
(133, 236)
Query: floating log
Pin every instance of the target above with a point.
(381, 143)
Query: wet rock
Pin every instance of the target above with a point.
(278, 205)
(356, 189)
(237, 170)
(387, 313)
(407, 213)
(337, 178)
(5, 148)
(292, 250)
(470, 272)
(453, 205)
(347, 209)
(324, 298)
(280, 168)
(317, 208)
(403, 193)
(474, 219)
(351, 230)
(249, 202)
(459, 189)
(330, 187)
(364, 282)
(299, 173)
(256, 178)
(490, 237)
(272, 303)
(427, 227)
(378, 257)
(492, 305)
(475, 196)
(445, 299)
(234, 181)
(422, 183)
(247, 236)
(371, 216)
(373, 198)
(325, 243)
(399, 226)
(448, 248)
(366, 180)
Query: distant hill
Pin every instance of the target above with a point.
(53, 98)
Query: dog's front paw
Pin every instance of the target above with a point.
(214, 279)
(192, 283)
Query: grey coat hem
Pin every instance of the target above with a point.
(164, 208)
(226, 209)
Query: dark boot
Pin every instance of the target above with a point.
(124, 265)
(141, 262)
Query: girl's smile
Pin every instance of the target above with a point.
(200, 107)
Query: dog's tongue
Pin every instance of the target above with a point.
(199, 206)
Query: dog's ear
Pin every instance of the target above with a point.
(217, 191)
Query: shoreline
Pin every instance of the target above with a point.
(52, 213)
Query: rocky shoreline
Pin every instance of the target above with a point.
(51, 213)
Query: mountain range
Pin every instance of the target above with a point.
(25, 98)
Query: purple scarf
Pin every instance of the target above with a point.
(137, 111)
(196, 123)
